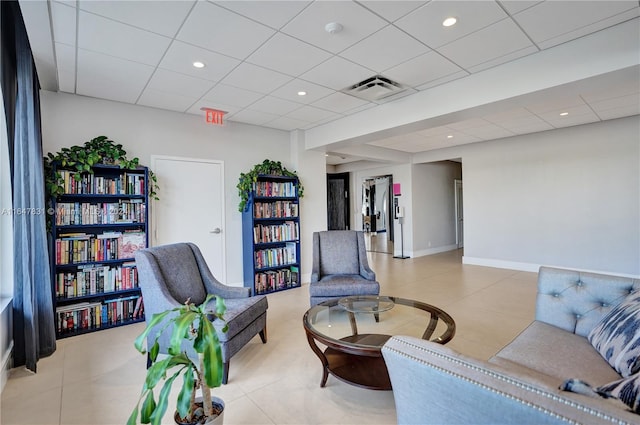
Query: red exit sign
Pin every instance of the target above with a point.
(213, 116)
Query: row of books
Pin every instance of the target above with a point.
(123, 211)
(87, 183)
(96, 315)
(277, 279)
(75, 248)
(278, 209)
(276, 256)
(96, 279)
(275, 189)
(287, 231)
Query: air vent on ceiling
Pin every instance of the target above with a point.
(374, 88)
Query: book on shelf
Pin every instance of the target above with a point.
(131, 242)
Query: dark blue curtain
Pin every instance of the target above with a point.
(34, 330)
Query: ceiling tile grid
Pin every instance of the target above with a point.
(258, 56)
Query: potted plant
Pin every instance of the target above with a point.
(99, 150)
(190, 324)
(267, 167)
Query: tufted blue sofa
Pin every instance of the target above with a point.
(433, 384)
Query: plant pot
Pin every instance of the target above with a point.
(218, 405)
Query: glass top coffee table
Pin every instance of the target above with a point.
(354, 329)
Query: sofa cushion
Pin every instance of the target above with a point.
(556, 352)
(617, 336)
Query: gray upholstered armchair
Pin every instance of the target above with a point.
(340, 267)
(171, 274)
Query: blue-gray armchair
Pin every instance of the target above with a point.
(340, 267)
(171, 274)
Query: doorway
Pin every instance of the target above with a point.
(191, 207)
(377, 217)
(338, 210)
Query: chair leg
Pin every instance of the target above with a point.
(263, 335)
(377, 316)
(225, 372)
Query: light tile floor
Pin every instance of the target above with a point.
(96, 378)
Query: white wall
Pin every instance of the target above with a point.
(72, 120)
(568, 197)
(434, 207)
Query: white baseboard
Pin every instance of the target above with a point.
(436, 250)
(531, 267)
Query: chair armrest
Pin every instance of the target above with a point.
(433, 384)
(576, 301)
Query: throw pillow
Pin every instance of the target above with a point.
(627, 390)
(617, 336)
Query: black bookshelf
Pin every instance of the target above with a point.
(96, 226)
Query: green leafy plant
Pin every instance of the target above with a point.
(99, 150)
(188, 323)
(268, 167)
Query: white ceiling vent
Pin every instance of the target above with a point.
(374, 88)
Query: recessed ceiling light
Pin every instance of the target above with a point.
(450, 136)
(449, 21)
(564, 114)
(302, 93)
(198, 64)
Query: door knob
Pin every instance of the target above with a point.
(216, 230)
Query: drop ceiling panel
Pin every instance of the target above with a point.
(166, 20)
(123, 41)
(337, 73)
(531, 128)
(256, 78)
(339, 102)
(312, 114)
(423, 69)
(66, 64)
(425, 23)
(179, 84)
(503, 59)
(392, 10)
(616, 102)
(576, 114)
(223, 31)
(619, 112)
(385, 49)
(274, 105)
(181, 56)
(229, 95)
(64, 24)
(273, 13)
(555, 103)
(551, 19)
(110, 78)
(288, 55)
(442, 80)
(290, 91)
(494, 41)
(253, 117)
(286, 123)
(357, 21)
(165, 100)
(514, 6)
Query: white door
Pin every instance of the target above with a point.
(459, 214)
(191, 207)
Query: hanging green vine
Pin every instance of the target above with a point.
(267, 167)
(100, 150)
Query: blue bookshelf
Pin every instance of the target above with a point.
(96, 225)
(271, 235)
